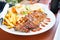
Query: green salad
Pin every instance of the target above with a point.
(13, 1)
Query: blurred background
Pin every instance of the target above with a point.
(54, 5)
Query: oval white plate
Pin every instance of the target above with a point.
(49, 26)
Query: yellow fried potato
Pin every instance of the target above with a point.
(9, 27)
(9, 22)
(5, 23)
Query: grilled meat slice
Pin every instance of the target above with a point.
(30, 21)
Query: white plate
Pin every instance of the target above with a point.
(49, 26)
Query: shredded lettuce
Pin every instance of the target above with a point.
(25, 13)
(27, 7)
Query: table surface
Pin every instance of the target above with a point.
(48, 35)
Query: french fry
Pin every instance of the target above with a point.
(14, 20)
(5, 23)
(9, 27)
(8, 15)
(9, 22)
(10, 18)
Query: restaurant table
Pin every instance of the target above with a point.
(48, 35)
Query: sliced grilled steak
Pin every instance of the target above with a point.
(30, 21)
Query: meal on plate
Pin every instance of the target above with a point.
(26, 18)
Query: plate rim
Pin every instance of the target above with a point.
(32, 34)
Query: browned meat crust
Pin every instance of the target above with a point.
(30, 21)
